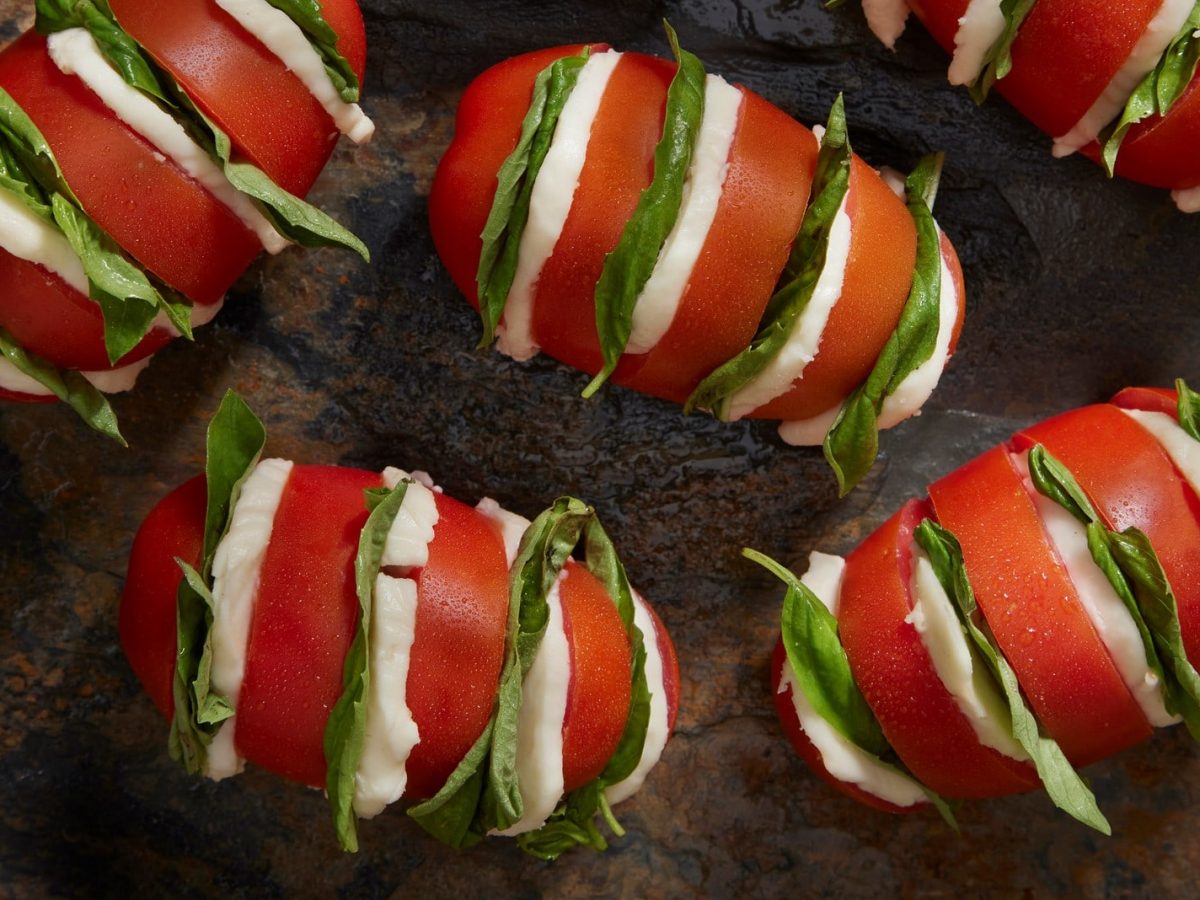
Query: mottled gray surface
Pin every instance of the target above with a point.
(1077, 287)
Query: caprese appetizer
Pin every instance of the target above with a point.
(148, 152)
(646, 221)
(1038, 612)
(1115, 81)
(366, 634)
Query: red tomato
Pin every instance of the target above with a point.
(17, 397)
(940, 18)
(303, 622)
(1160, 151)
(174, 528)
(1163, 400)
(228, 72)
(895, 673)
(458, 645)
(1034, 610)
(670, 665)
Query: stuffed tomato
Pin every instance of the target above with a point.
(645, 221)
(366, 634)
(149, 152)
(1113, 80)
(1038, 612)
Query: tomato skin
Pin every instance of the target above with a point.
(1161, 150)
(146, 624)
(462, 616)
(228, 72)
(1163, 400)
(17, 397)
(1034, 610)
(670, 665)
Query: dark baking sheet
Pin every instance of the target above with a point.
(1077, 287)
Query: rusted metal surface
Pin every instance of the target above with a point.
(1077, 287)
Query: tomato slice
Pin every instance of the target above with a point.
(940, 18)
(895, 673)
(1163, 400)
(174, 528)
(228, 73)
(458, 645)
(1133, 484)
(303, 622)
(18, 397)
(670, 666)
(601, 666)
(1034, 611)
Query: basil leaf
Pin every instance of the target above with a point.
(1054, 480)
(209, 708)
(1158, 91)
(1067, 790)
(450, 816)
(235, 442)
(17, 181)
(629, 266)
(67, 385)
(997, 62)
(852, 442)
(1188, 406)
(307, 14)
(188, 740)
(800, 275)
(506, 220)
(346, 728)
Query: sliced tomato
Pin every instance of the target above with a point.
(940, 18)
(458, 645)
(896, 675)
(1133, 484)
(601, 668)
(1034, 611)
(174, 528)
(303, 622)
(1163, 400)
(786, 710)
(1159, 151)
(18, 397)
(670, 667)
(228, 72)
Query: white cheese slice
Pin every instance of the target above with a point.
(550, 201)
(980, 27)
(1183, 449)
(1187, 199)
(512, 526)
(1105, 610)
(28, 237)
(958, 668)
(391, 730)
(540, 722)
(1144, 57)
(658, 303)
(235, 572)
(658, 728)
(886, 19)
(75, 52)
(803, 343)
(285, 39)
(108, 381)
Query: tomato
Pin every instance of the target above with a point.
(1034, 610)
(940, 18)
(670, 667)
(228, 72)
(17, 397)
(1133, 484)
(161, 217)
(1160, 150)
(303, 622)
(1163, 400)
(895, 673)
(174, 528)
(458, 643)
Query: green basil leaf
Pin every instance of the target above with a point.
(235, 442)
(188, 740)
(209, 707)
(1054, 480)
(1158, 91)
(307, 14)
(852, 442)
(506, 220)
(450, 815)
(345, 730)
(629, 266)
(17, 181)
(1188, 408)
(997, 63)
(68, 386)
(1066, 788)
(799, 278)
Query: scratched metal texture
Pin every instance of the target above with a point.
(1077, 287)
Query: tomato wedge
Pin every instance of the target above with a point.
(1163, 400)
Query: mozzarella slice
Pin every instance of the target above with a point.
(1183, 449)
(658, 729)
(802, 344)
(980, 27)
(108, 381)
(512, 526)
(957, 666)
(1187, 199)
(550, 201)
(1142, 60)
(28, 237)
(886, 19)
(235, 572)
(843, 759)
(540, 723)
(75, 52)
(1113, 623)
(285, 39)
(391, 730)
(658, 303)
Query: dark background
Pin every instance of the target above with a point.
(1077, 286)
